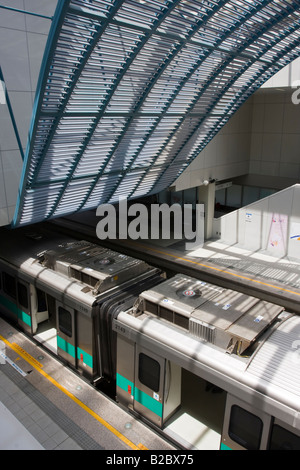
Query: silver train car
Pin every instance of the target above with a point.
(208, 367)
(213, 368)
(60, 291)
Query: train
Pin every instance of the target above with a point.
(207, 367)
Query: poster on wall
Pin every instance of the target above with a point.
(295, 232)
(278, 234)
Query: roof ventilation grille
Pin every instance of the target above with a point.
(202, 330)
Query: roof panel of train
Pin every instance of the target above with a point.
(77, 269)
(97, 267)
(181, 294)
(277, 361)
(224, 317)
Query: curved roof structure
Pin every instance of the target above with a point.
(131, 91)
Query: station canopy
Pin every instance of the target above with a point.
(131, 91)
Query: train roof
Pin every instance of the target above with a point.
(277, 361)
(78, 268)
(224, 317)
(98, 268)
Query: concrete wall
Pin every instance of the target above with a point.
(226, 156)
(271, 224)
(275, 138)
(22, 42)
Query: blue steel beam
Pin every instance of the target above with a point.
(26, 12)
(57, 22)
(12, 116)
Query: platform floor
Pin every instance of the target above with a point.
(45, 406)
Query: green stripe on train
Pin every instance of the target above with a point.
(82, 355)
(24, 317)
(125, 384)
(224, 447)
(65, 346)
(86, 358)
(61, 343)
(140, 396)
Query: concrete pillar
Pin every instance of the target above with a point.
(206, 196)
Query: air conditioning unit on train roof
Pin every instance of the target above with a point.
(223, 317)
(93, 265)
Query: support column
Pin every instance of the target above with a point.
(206, 196)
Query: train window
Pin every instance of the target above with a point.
(9, 285)
(41, 301)
(245, 428)
(282, 439)
(23, 295)
(65, 321)
(149, 372)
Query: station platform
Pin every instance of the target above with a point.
(235, 267)
(45, 406)
(254, 273)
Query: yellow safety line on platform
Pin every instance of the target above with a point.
(219, 270)
(32, 362)
(23, 353)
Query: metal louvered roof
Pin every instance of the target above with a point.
(277, 361)
(131, 91)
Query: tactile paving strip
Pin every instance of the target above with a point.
(52, 428)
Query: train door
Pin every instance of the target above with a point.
(39, 309)
(199, 421)
(43, 317)
(157, 386)
(245, 426)
(16, 300)
(66, 333)
(24, 310)
(9, 296)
